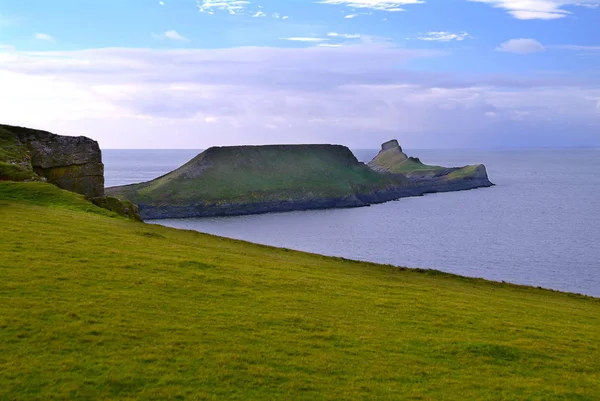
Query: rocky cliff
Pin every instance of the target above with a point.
(71, 163)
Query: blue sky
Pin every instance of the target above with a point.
(192, 74)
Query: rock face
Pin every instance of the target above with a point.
(71, 163)
(393, 145)
(123, 208)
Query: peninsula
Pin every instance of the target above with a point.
(391, 159)
(238, 180)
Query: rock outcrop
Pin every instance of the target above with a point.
(121, 207)
(392, 160)
(71, 163)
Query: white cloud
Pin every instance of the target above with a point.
(171, 35)
(259, 14)
(285, 17)
(356, 95)
(351, 16)
(44, 37)
(442, 36)
(521, 46)
(539, 9)
(231, 6)
(305, 39)
(343, 35)
(162, 3)
(379, 5)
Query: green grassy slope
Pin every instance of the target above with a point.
(260, 173)
(93, 306)
(395, 161)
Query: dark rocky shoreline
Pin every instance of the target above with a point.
(419, 188)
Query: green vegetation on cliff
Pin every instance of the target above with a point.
(95, 306)
(247, 174)
(14, 158)
(391, 159)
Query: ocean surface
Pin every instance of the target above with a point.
(540, 224)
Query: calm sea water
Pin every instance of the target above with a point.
(540, 224)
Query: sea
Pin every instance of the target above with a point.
(538, 226)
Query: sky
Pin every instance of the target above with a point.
(179, 74)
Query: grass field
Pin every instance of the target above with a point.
(94, 306)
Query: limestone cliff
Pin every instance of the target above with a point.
(71, 163)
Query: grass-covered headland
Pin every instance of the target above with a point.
(95, 306)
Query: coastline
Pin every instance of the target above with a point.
(152, 212)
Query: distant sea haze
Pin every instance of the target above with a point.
(539, 226)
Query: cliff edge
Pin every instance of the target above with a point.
(71, 163)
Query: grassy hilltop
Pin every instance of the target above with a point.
(95, 306)
(248, 174)
(237, 180)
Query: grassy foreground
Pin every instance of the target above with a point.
(93, 306)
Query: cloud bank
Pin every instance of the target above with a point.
(356, 95)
